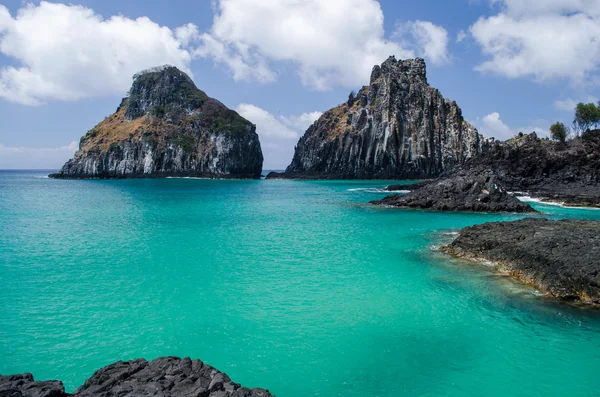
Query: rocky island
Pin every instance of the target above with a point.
(460, 193)
(397, 127)
(163, 377)
(559, 258)
(167, 127)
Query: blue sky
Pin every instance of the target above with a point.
(512, 65)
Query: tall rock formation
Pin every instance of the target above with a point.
(397, 127)
(167, 127)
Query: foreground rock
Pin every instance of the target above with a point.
(567, 173)
(168, 127)
(397, 127)
(163, 377)
(460, 193)
(560, 258)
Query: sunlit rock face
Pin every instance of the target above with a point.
(396, 127)
(168, 127)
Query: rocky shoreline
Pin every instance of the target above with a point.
(459, 193)
(567, 173)
(163, 377)
(559, 258)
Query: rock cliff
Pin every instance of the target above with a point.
(167, 127)
(559, 258)
(397, 127)
(163, 377)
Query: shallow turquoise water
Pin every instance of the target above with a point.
(298, 287)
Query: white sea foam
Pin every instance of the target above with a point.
(188, 177)
(377, 190)
(449, 233)
(529, 199)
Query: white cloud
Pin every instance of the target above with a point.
(330, 43)
(569, 104)
(267, 125)
(520, 7)
(41, 158)
(278, 134)
(302, 122)
(68, 52)
(492, 126)
(543, 39)
(431, 41)
(461, 36)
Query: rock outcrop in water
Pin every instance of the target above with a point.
(168, 127)
(459, 193)
(568, 172)
(163, 377)
(397, 127)
(560, 258)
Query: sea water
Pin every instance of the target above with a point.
(299, 287)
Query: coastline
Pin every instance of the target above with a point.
(559, 258)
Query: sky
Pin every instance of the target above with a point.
(511, 65)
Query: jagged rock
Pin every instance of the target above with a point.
(568, 173)
(460, 193)
(397, 127)
(168, 127)
(163, 377)
(24, 386)
(560, 258)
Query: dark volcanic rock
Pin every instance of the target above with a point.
(163, 377)
(397, 127)
(274, 175)
(568, 173)
(460, 193)
(167, 127)
(560, 258)
(25, 386)
(408, 186)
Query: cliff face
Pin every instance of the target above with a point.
(168, 127)
(397, 127)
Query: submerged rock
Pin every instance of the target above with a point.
(163, 377)
(397, 127)
(168, 127)
(560, 258)
(460, 193)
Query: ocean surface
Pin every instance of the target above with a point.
(299, 287)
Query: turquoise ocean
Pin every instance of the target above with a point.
(299, 287)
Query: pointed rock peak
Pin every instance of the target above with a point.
(160, 87)
(412, 68)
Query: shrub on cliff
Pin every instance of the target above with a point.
(586, 117)
(559, 132)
